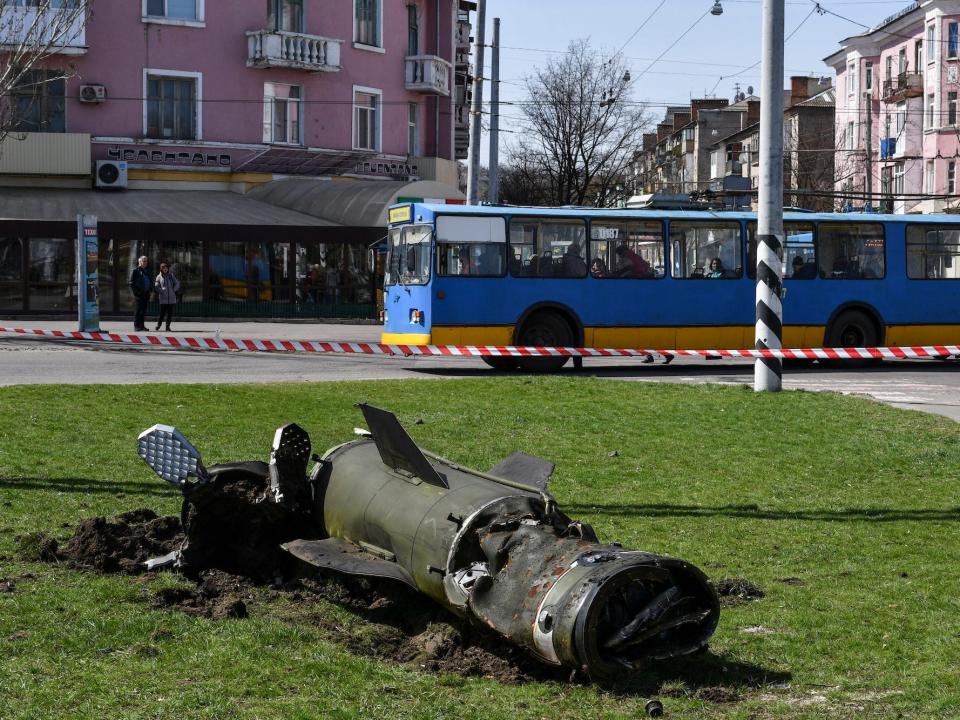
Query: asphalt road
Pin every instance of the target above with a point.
(926, 385)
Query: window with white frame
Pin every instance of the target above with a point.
(898, 178)
(282, 114)
(366, 119)
(413, 129)
(931, 43)
(952, 107)
(172, 111)
(850, 136)
(174, 9)
(929, 177)
(367, 15)
(931, 111)
(868, 76)
(852, 80)
(901, 117)
(952, 177)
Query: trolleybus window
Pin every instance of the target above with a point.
(851, 250)
(471, 246)
(408, 255)
(799, 255)
(548, 249)
(933, 252)
(706, 250)
(626, 250)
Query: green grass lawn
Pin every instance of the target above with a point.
(855, 500)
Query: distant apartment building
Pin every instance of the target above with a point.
(676, 159)
(898, 84)
(253, 144)
(809, 148)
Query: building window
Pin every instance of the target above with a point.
(366, 21)
(850, 138)
(929, 177)
(868, 76)
(902, 61)
(413, 30)
(282, 117)
(285, 15)
(898, 178)
(886, 125)
(174, 9)
(931, 111)
(38, 104)
(953, 40)
(851, 80)
(952, 108)
(889, 67)
(413, 133)
(952, 177)
(366, 119)
(901, 117)
(173, 106)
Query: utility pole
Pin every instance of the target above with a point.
(473, 172)
(493, 186)
(869, 142)
(768, 372)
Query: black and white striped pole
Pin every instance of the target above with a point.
(767, 373)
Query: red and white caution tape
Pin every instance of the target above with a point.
(354, 348)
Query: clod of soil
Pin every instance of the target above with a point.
(217, 595)
(791, 581)
(737, 591)
(124, 543)
(36, 547)
(718, 694)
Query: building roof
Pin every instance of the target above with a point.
(149, 207)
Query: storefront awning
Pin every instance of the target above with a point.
(151, 207)
(354, 203)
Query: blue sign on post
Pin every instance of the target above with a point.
(88, 291)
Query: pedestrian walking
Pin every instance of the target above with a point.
(167, 287)
(141, 286)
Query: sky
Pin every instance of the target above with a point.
(707, 61)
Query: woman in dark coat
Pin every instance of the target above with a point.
(167, 286)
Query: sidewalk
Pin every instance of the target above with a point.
(240, 330)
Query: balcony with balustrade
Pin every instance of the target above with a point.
(428, 74)
(299, 51)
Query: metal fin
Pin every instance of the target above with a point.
(526, 469)
(288, 464)
(345, 557)
(397, 449)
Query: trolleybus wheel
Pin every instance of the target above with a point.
(544, 329)
(852, 328)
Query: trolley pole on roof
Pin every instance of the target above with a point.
(473, 171)
(767, 374)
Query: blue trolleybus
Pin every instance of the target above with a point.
(477, 275)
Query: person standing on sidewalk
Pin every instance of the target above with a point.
(167, 287)
(140, 285)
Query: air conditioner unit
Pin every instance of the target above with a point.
(93, 93)
(110, 175)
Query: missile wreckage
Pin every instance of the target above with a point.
(492, 546)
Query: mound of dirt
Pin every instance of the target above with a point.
(124, 543)
(737, 591)
(217, 595)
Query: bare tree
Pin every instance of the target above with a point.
(581, 128)
(33, 33)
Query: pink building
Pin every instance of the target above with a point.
(261, 102)
(898, 138)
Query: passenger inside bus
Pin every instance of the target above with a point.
(716, 269)
(631, 264)
(573, 263)
(803, 270)
(598, 269)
